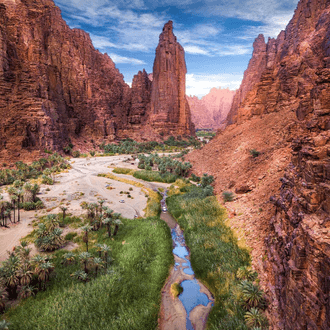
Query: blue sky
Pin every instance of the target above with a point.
(217, 35)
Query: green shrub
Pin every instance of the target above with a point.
(47, 180)
(70, 236)
(206, 180)
(92, 153)
(195, 178)
(121, 170)
(67, 149)
(254, 153)
(155, 176)
(75, 153)
(227, 196)
(28, 206)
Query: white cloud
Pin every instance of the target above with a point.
(200, 85)
(195, 50)
(122, 59)
(232, 50)
(102, 42)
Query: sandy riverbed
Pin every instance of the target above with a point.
(79, 184)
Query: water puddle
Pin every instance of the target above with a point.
(191, 295)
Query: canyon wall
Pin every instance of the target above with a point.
(55, 88)
(291, 74)
(212, 109)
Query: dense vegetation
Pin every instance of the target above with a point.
(164, 164)
(129, 146)
(205, 133)
(52, 165)
(121, 291)
(217, 259)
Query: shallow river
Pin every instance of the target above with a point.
(191, 296)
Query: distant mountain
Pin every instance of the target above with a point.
(212, 109)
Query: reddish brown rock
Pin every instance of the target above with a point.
(211, 110)
(294, 76)
(170, 111)
(141, 91)
(55, 88)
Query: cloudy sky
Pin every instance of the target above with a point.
(217, 35)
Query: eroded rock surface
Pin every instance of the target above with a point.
(293, 72)
(288, 80)
(169, 107)
(55, 88)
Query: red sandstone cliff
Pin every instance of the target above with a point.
(169, 107)
(282, 109)
(56, 88)
(211, 110)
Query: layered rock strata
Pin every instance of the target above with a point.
(56, 88)
(293, 74)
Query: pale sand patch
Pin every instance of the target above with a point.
(79, 184)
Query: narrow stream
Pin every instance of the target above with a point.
(191, 295)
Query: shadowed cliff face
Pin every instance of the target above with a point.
(56, 88)
(292, 73)
(53, 84)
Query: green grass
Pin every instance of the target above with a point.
(127, 297)
(121, 170)
(215, 255)
(155, 176)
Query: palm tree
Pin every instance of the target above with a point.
(3, 298)
(80, 275)
(85, 259)
(19, 195)
(254, 318)
(117, 223)
(99, 249)
(98, 263)
(106, 249)
(108, 222)
(86, 229)
(26, 291)
(63, 208)
(101, 202)
(246, 273)
(25, 274)
(252, 294)
(14, 200)
(37, 261)
(44, 273)
(68, 258)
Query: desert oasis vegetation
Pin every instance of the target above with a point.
(159, 199)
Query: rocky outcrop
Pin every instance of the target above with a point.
(55, 88)
(141, 92)
(294, 75)
(211, 110)
(170, 111)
